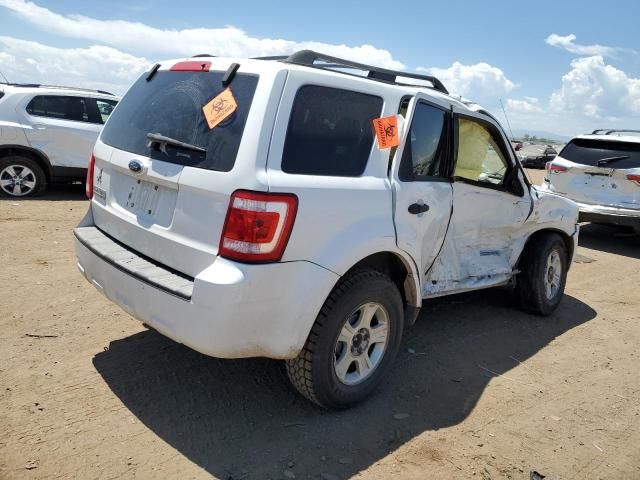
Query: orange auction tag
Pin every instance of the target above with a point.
(219, 108)
(386, 129)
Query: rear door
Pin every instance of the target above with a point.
(63, 127)
(421, 182)
(169, 202)
(598, 172)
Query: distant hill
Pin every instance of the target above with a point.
(541, 136)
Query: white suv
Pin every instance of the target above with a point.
(46, 134)
(601, 173)
(285, 231)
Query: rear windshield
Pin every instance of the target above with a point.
(170, 104)
(589, 152)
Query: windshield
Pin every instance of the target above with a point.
(589, 152)
(170, 104)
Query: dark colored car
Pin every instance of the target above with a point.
(538, 160)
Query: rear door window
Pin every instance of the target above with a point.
(589, 152)
(170, 104)
(60, 107)
(426, 149)
(330, 132)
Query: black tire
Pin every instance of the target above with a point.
(531, 290)
(313, 373)
(20, 163)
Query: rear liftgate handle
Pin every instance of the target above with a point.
(417, 208)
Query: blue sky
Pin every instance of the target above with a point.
(519, 52)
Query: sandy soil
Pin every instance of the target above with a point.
(480, 389)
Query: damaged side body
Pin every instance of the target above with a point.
(488, 253)
(472, 210)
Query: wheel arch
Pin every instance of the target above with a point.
(566, 238)
(400, 269)
(34, 154)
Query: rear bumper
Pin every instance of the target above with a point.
(234, 311)
(611, 215)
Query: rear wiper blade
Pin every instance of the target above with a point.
(162, 141)
(604, 161)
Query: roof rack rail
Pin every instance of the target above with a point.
(274, 57)
(309, 57)
(62, 87)
(607, 131)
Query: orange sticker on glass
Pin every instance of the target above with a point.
(219, 108)
(386, 129)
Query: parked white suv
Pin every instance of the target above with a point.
(601, 173)
(46, 134)
(286, 232)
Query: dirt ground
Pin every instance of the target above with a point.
(480, 390)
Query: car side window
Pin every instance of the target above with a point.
(105, 107)
(59, 107)
(479, 156)
(330, 132)
(425, 150)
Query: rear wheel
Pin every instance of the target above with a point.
(21, 177)
(353, 342)
(543, 274)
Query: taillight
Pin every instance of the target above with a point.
(258, 226)
(553, 167)
(89, 182)
(634, 178)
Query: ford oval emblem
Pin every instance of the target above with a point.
(135, 166)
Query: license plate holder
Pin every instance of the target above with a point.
(143, 197)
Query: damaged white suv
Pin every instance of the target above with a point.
(248, 207)
(601, 173)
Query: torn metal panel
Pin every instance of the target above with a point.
(488, 234)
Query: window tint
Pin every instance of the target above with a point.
(60, 107)
(330, 132)
(588, 152)
(425, 150)
(479, 156)
(171, 105)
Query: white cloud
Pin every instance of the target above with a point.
(482, 83)
(527, 105)
(97, 67)
(567, 42)
(145, 40)
(597, 90)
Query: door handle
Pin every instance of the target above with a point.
(416, 208)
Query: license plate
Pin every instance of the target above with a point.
(143, 197)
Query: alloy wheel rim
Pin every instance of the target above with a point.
(17, 180)
(552, 275)
(361, 343)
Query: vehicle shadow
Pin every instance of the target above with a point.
(240, 419)
(65, 192)
(611, 239)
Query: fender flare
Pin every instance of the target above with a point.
(39, 156)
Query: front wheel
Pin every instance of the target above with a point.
(543, 274)
(353, 342)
